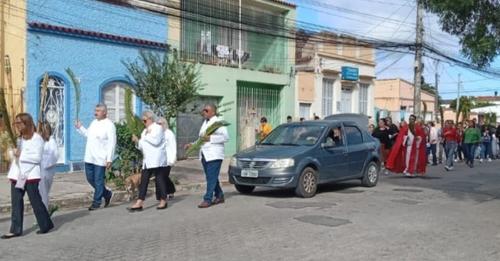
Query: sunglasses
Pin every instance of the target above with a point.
(205, 110)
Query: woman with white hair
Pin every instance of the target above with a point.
(171, 149)
(152, 145)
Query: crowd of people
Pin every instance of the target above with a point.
(409, 148)
(33, 163)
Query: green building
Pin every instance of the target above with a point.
(246, 54)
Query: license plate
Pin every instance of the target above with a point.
(249, 173)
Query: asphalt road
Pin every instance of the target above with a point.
(445, 216)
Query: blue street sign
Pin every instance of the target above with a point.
(350, 73)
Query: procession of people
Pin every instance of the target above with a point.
(405, 150)
(410, 148)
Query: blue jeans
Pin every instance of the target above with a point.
(470, 151)
(95, 176)
(432, 150)
(212, 169)
(486, 150)
(450, 149)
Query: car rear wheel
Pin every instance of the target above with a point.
(244, 189)
(370, 177)
(308, 183)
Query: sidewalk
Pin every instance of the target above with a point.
(71, 190)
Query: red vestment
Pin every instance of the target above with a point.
(396, 162)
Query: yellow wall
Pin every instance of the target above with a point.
(15, 49)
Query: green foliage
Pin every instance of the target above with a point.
(196, 146)
(467, 103)
(134, 123)
(474, 22)
(490, 118)
(4, 115)
(76, 86)
(164, 82)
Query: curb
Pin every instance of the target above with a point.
(83, 200)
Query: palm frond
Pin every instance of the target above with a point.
(210, 130)
(6, 120)
(76, 86)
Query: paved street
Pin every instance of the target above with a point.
(445, 216)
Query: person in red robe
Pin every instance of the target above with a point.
(408, 154)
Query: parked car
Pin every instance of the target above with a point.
(304, 154)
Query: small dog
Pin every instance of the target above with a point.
(132, 183)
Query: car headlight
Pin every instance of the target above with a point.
(233, 162)
(283, 163)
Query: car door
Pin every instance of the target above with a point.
(334, 157)
(357, 150)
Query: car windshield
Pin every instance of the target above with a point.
(294, 135)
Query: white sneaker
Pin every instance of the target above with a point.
(489, 160)
(481, 160)
(455, 160)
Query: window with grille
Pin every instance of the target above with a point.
(363, 98)
(113, 95)
(327, 99)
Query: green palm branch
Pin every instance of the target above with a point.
(210, 130)
(76, 86)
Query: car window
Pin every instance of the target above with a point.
(354, 135)
(294, 135)
(335, 137)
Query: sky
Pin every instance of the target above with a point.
(394, 20)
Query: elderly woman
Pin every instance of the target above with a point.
(24, 175)
(152, 145)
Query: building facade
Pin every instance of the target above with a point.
(92, 38)
(245, 61)
(395, 96)
(334, 74)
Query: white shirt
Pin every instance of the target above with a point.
(171, 147)
(213, 149)
(50, 154)
(152, 145)
(101, 141)
(29, 159)
(433, 135)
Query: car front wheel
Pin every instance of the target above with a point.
(307, 184)
(370, 177)
(244, 189)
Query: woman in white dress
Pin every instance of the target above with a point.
(48, 165)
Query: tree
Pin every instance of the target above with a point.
(474, 22)
(164, 82)
(467, 103)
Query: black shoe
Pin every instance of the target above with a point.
(134, 209)
(108, 199)
(40, 232)
(9, 236)
(91, 208)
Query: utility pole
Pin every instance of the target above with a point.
(459, 85)
(436, 84)
(418, 60)
(2, 47)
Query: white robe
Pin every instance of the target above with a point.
(48, 169)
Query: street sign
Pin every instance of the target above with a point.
(350, 73)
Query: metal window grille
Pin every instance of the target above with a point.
(327, 98)
(363, 98)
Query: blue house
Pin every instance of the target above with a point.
(92, 38)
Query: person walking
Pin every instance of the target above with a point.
(48, 164)
(393, 130)
(408, 152)
(24, 175)
(472, 137)
(99, 153)
(450, 138)
(154, 162)
(211, 156)
(171, 151)
(485, 145)
(382, 134)
(433, 141)
(459, 154)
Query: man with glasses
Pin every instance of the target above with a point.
(99, 152)
(211, 156)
